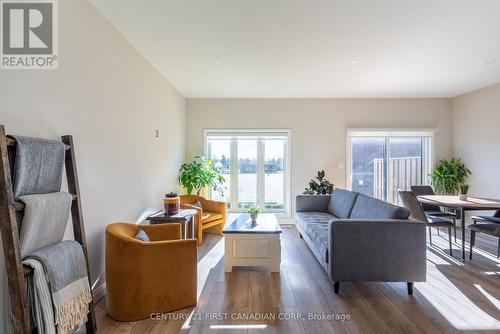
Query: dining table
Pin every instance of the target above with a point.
(470, 204)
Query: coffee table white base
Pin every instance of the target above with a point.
(252, 249)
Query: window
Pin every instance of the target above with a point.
(382, 162)
(255, 165)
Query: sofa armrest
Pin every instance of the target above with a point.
(312, 203)
(388, 250)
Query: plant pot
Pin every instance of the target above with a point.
(462, 197)
(253, 216)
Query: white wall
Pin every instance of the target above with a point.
(476, 138)
(110, 99)
(318, 126)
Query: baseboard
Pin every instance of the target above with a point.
(99, 292)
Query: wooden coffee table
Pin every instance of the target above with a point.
(248, 244)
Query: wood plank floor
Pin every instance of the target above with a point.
(456, 298)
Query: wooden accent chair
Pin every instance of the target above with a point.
(142, 278)
(211, 216)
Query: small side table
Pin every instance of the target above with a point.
(185, 217)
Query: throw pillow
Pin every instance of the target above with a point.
(142, 236)
(197, 204)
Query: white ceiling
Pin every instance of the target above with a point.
(304, 48)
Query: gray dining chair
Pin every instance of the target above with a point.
(487, 219)
(435, 210)
(492, 229)
(417, 212)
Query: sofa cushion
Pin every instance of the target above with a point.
(372, 208)
(341, 203)
(304, 218)
(319, 236)
(315, 225)
(312, 203)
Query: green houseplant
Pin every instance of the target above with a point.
(253, 211)
(463, 189)
(320, 187)
(448, 175)
(201, 173)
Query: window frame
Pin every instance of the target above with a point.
(428, 148)
(259, 133)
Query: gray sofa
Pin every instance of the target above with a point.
(358, 238)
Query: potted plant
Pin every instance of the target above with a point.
(320, 187)
(253, 211)
(463, 189)
(201, 173)
(449, 175)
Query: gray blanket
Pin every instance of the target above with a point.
(38, 166)
(44, 222)
(60, 290)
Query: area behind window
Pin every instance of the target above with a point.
(382, 162)
(255, 166)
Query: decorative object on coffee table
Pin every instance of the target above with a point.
(253, 211)
(248, 244)
(184, 217)
(171, 204)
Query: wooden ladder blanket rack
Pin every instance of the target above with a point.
(10, 235)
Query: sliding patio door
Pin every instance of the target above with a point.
(382, 162)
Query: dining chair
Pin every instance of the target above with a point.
(487, 219)
(435, 210)
(492, 229)
(417, 212)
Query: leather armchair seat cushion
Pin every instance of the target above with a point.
(210, 217)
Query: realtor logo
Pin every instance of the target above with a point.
(29, 34)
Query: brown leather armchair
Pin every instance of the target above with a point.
(148, 277)
(212, 215)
